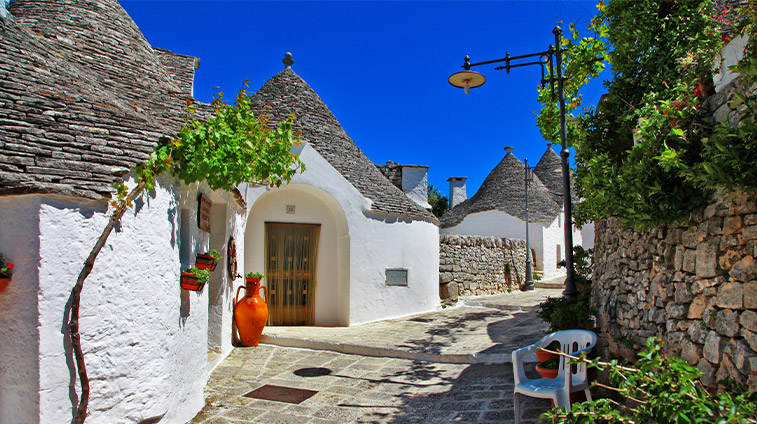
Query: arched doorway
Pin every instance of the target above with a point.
(308, 275)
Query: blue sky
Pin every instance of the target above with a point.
(382, 68)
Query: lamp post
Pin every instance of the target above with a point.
(529, 272)
(468, 79)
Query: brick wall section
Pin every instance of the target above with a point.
(695, 284)
(476, 265)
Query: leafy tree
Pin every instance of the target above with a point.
(439, 204)
(229, 148)
(648, 154)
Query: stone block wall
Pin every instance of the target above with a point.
(694, 284)
(478, 265)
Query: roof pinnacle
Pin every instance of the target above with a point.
(288, 61)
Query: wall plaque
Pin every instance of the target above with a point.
(203, 213)
(396, 276)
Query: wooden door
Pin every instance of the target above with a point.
(291, 260)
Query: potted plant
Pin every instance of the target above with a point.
(5, 272)
(253, 277)
(208, 260)
(548, 368)
(194, 279)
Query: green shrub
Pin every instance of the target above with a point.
(660, 390)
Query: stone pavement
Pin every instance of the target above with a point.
(446, 366)
(483, 329)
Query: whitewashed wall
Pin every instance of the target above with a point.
(145, 340)
(19, 335)
(356, 246)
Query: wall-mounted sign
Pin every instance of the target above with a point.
(203, 213)
(290, 209)
(396, 276)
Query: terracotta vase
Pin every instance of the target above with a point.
(190, 282)
(543, 356)
(4, 282)
(206, 262)
(547, 372)
(251, 313)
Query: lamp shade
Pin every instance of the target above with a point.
(467, 80)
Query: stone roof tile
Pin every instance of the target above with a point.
(287, 93)
(504, 190)
(83, 97)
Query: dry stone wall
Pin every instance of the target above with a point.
(478, 265)
(694, 284)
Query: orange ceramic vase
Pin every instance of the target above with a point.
(251, 313)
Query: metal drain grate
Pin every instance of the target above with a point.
(281, 394)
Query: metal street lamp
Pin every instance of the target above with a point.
(529, 273)
(469, 79)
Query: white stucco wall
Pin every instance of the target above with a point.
(19, 336)
(415, 184)
(357, 245)
(491, 223)
(145, 340)
(587, 236)
(381, 242)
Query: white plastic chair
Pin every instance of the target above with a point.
(569, 378)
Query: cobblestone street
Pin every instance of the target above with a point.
(452, 365)
(360, 389)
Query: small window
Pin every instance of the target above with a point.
(558, 253)
(396, 276)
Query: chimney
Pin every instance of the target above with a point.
(456, 191)
(415, 183)
(4, 10)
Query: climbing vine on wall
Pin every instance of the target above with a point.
(231, 147)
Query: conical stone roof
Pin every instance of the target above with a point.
(504, 190)
(83, 96)
(287, 93)
(549, 171)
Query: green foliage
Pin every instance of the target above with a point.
(201, 274)
(551, 363)
(231, 147)
(648, 155)
(215, 254)
(6, 269)
(660, 390)
(582, 61)
(439, 204)
(563, 313)
(566, 314)
(254, 275)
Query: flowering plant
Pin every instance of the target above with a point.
(5, 269)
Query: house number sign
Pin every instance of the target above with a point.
(396, 276)
(203, 213)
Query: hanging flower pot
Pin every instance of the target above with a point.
(5, 273)
(4, 282)
(205, 262)
(194, 279)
